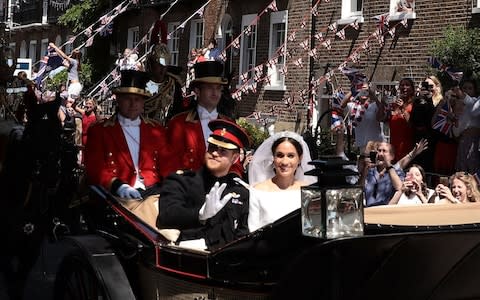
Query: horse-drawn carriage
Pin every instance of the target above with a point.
(428, 252)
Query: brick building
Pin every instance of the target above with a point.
(288, 97)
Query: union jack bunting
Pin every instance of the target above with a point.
(237, 96)
(341, 34)
(273, 6)
(327, 44)
(355, 25)
(333, 27)
(365, 45)
(71, 40)
(303, 24)
(291, 37)
(299, 63)
(118, 8)
(443, 120)
(89, 42)
(107, 29)
(392, 32)
(88, 31)
(236, 43)
(404, 22)
(244, 77)
(313, 53)
(319, 36)
(253, 87)
(315, 10)
(248, 30)
(259, 70)
(272, 62)
(200, 11)
(355, 57)
(223, 56)
(283, 70)
(305, 44)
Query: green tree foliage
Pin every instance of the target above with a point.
(256, 134)
(85, 77)
(459, 48)
(81, 15)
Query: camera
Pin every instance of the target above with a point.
(373, 157)
(426, 86)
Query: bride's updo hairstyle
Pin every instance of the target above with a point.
(292, 141)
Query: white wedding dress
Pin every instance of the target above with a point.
(266, 207)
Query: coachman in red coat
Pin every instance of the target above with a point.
(188, 131)
(128, 154)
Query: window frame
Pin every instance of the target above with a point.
(277, 81)
(196, 39)
(43, 49)
(173, 43)
(476, 8)
(245, 51)
(348, 16)
(34, 56)
(133, 37)
(23, 49)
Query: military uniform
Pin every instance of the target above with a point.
(182, 196)
(107, 157)
(186, 136)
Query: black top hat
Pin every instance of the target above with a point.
(208, 72)
(132, 82)
(227, 134)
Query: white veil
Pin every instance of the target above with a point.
(261, 166)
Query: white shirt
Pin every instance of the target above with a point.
(205, 116)
(131, 131)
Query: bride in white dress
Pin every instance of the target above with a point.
(275, 175)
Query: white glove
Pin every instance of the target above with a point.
(126, 191)
(213, 203)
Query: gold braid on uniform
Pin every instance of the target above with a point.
(157, 106)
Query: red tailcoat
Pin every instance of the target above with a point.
(108, 158)
(186, 137)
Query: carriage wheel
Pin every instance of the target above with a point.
(77, 280)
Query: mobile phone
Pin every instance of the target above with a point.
(443, 180)
(425, 85)
(373, 157)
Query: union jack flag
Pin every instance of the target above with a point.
(315, 10)
(273, 6)
(291, 37)
(305, 44)
(236, 43)
(443, 121)
(341, 34)
(333, 27)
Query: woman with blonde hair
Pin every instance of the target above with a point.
(463, 189)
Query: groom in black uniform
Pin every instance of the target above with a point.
(209, 204)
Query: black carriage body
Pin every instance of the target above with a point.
(278, 262)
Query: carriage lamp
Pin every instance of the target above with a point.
(331, 207)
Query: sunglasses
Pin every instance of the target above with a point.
(215, 148)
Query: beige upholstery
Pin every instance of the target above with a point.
(147, 210)
(426, 214)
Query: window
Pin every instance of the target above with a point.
(196, 34)
(68, 46)
(476, 7)
(32, 52)
(400, 9)
(278, 30)
(43, 48)
(23, 49)
(173, 43)
(351, 10)
(133, 36)
(248, 46)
